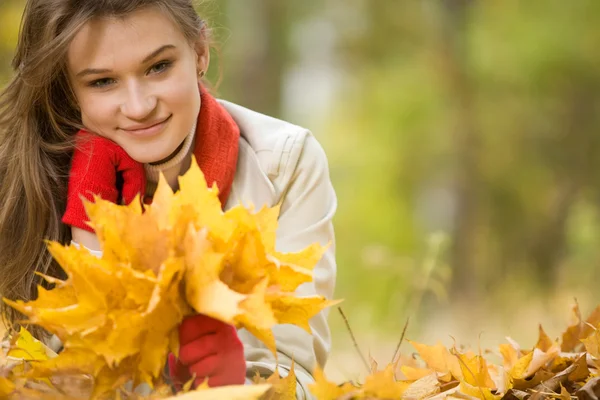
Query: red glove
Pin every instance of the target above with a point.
(95, 166)
(208, 349)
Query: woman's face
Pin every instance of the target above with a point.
(136, 82)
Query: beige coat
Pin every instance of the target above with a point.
(281, 162)
(277, 162)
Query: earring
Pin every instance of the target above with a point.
(200, 74)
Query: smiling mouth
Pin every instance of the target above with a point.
(148, 130)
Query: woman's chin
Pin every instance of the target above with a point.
(157, 152)
(148, 158)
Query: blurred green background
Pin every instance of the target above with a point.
(463, 143)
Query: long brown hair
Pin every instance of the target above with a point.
(38, 118)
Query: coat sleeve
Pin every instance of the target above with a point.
(307, 209)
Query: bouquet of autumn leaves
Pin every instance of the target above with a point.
(118, 316)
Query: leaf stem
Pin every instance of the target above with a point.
(397, 352)
(360, 353)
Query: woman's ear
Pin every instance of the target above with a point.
(203, 55)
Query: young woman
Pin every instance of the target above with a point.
(106, 95)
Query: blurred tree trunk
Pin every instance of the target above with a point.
(258, 49)
(460, 92)
(573, 158)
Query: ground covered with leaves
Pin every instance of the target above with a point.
(566, 367)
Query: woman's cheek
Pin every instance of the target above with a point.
(97, 115)
(179, 94)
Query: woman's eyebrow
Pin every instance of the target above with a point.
(155, 53)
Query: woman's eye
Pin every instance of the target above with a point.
(160, 67)
(100, 83)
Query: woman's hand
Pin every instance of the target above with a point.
(209, 349)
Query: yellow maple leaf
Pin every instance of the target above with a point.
(282, 388)
(203, 267)
(383, 384)
(247, 261)
(6, 387)
(124, 241)
(70, 361)
(529, 364)
(290, 309)
(478, 392)
(258, 317)
(438, 358)
(413, 374)
(323, 389)
(27, 348)
(519, 369)
(306, 258)
(510, 355)
(197, 203)
(264, 335)
(257, 312)
(474, 370)
(266, 219)
(287, 277)
(166, 309)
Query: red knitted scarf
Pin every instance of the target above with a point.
(217, 145)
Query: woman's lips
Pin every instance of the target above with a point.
(149, 130)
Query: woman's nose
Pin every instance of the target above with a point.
(138, 103)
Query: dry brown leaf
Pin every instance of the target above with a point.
(532, 381)
(564, 393)
(589, 391)
(544, 342)
(579, 329)
(552, 384)
(580, 372)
